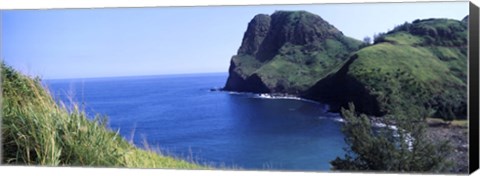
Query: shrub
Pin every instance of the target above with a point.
(400, 146)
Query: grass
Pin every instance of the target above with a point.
(404, 38)
(38, 131)
(295, 68)
(418, 64)
(460, 122)
(457, 122)
(245, 65)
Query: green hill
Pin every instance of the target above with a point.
(423, 63)
(287, 52)
(38, 131)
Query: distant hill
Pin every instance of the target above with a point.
(287, 52)
(423, 63)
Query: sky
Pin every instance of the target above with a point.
(109, 42)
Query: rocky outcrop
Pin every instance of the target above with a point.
(276, 50)
(257, 31)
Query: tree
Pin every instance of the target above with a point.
(380, 37)
(367, 40)
(447, 115)
(398, 146)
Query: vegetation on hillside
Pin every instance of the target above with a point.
(415, 71)
(423, 63)
(38, 131)
(296, 68)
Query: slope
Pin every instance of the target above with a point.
(38, 131)
(423, 63)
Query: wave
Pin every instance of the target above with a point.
(287, 97)
(332, 116)
(339, 119)
(267, 95)
(275, 96)
(236, 93)
(408, 138)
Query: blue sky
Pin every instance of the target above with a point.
(77, 43)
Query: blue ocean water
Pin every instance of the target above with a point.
(179, 115)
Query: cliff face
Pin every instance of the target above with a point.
(257, 31)
(287, 52)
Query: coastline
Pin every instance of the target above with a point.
(436, 131)
(284, 96)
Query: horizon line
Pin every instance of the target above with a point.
(127, 76)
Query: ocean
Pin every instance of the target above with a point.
(179, 116)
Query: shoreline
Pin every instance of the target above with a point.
(280, 96)
(455, 134)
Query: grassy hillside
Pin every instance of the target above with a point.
(295, 68)
(37, 131)
(423, 63)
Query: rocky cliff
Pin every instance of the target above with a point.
(287, 52)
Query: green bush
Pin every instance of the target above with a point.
(404, 149)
